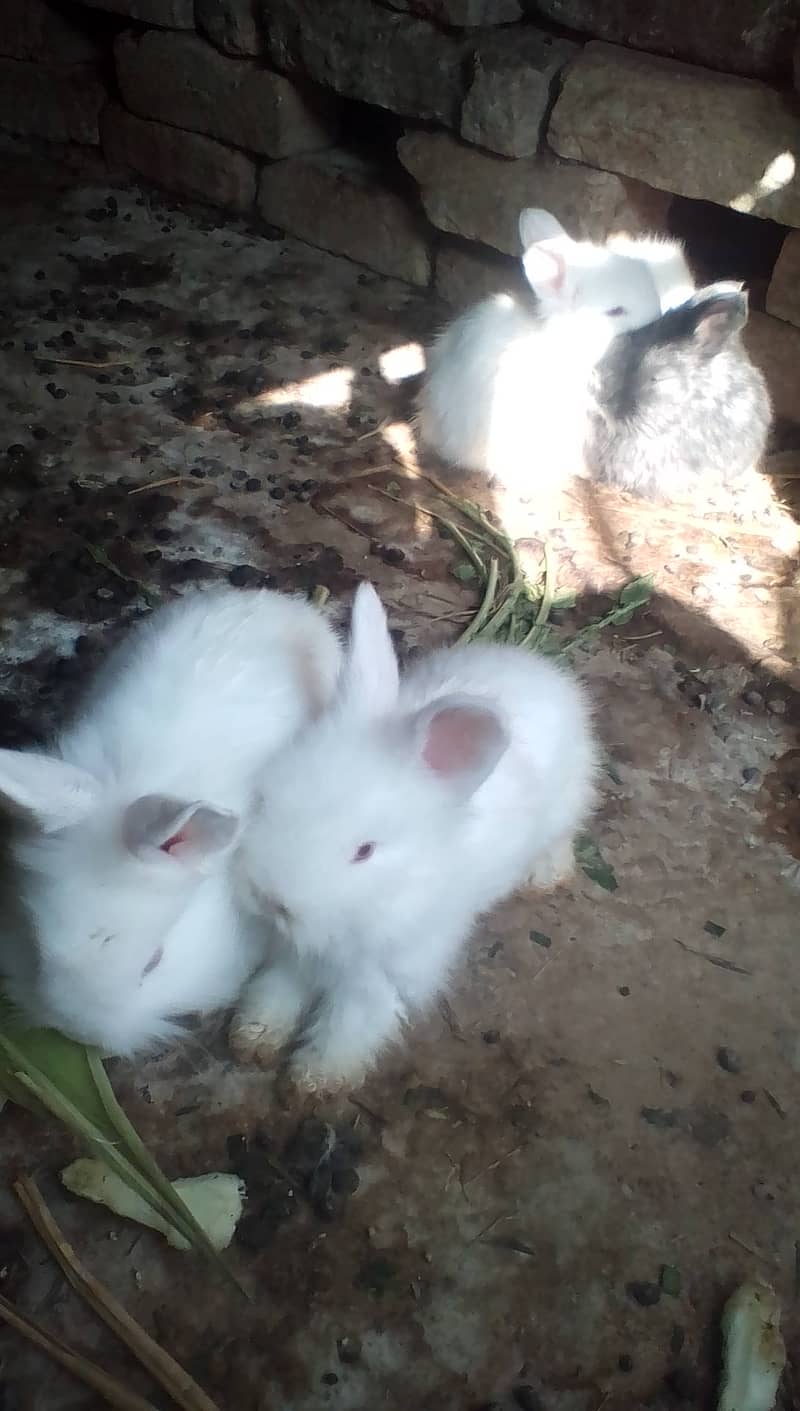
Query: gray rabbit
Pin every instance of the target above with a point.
(678, 404)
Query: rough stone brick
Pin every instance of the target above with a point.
(183, 80)
(186, 162)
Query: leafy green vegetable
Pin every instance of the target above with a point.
(49, 1074)
(591, 861)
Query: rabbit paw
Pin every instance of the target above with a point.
(554, 866)
(267, 1016)
(252, 1042)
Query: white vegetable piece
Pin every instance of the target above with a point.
(753, 1355)
(216, 1201)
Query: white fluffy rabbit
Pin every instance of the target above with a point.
(118, 913)
(391, 823)
(505, 391)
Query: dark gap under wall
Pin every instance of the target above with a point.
(726, 244)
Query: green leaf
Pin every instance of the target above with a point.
(51, 1075)
(636, 593)
(591, 861)
(465, 572)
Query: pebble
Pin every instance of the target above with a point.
(527, 1399)
(643, 1293)
(750, 774)
(747, 1095)
(777, 706)
(253, 483)
(349, 1350)
(729, 1060)
(683, 1384)
(245, 576)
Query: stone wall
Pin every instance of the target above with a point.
(600, 110)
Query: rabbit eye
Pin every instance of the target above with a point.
(361, 854)
(616, 312)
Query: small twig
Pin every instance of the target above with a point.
(81, 362)
(368, 1111)
(493, 1165)
(106, 1386)
(163, 1368)
(320, 595)
(509, 1242)
(796, 1269)
(158, 484)
(774, 1104)
(487, 1229)
(748, 1248)
(717, 960)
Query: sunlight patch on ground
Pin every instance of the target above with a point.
(331, 391)
(396, 364)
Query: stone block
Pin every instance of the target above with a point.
(166, 14)
(746, 37)
(774, 347)
(233, 25)
(511, 90)
(58, 104)
(186, 162)
(478, 196)
(686, 130)
(335, 201)
(183, 80)
(783, 295)
(467, 273)
(461, 14)
(361, 50)
(31, 29)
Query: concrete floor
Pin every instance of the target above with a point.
(564, 1125)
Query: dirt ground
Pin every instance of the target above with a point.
(609, 1087)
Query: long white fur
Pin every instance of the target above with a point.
(376, 938)
(188, 709)
(506, 388)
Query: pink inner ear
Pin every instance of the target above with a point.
(172, 845)
(456, 740)
(546, 267)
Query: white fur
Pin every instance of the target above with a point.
(376, 938)
(187, 710)
(506, 389)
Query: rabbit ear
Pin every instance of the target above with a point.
(536, 225)
(371, 678)
(461, 740)
(189, 832)
(720, 314)
(547, 249)
(46, 790)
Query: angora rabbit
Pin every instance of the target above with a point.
(679, 403)
(505, 391)
(391, 823)
(118, 910)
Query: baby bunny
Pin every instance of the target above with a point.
(506, 387)
(679, 402)
(116, 888)
(391, 823)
